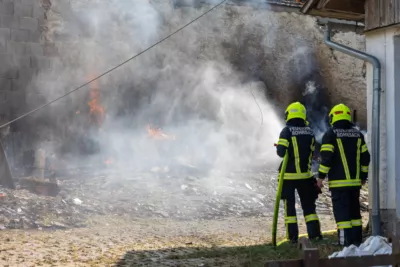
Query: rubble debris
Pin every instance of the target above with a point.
(145, 194)
(77, 201)
(40, 186)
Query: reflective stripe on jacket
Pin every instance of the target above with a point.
(299, 141)
(344, 156)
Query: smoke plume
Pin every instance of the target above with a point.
(203, 101)
(186, 86)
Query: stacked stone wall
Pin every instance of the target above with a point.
(23, 52)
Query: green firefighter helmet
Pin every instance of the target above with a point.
(339, 112)
(295, 110)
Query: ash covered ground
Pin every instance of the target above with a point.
(181, 193)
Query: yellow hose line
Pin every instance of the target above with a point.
(306, 235)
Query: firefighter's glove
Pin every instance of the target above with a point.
(317, 188)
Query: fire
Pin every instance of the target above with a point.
(108, 162)
(157, 134)
(96, 110)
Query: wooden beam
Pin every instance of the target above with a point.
(372, 14)
(391, 12)
(336, 15)
(353, 6)
(309, 5)
(284, 263)
(321, 4)
(396, 9)
(311, 257)
(383, 16)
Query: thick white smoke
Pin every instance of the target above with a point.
(184, 85)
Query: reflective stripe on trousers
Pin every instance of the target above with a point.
(289, 219)
(357, 222)
(344, 225)
(311, 217)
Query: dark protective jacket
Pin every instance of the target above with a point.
(298, 140)
(344, 156)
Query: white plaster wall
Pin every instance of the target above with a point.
(379, 43)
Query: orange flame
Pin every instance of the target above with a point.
(157, 134)
(96, 110)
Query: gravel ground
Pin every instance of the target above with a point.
(142, 218)
(116, 241)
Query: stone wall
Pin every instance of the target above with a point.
(23, 52)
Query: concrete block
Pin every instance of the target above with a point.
(8, 72)
(6, 60)
(34, 99)
(5, 34)
(38, 13)
(3, 46)
(26, 2)
(20, 35)
(15, 48)
(22, 61)
(30, 24)
(40, 62)
(34, 49)
(20, 84)
(5, 84)
(22, 10)
(27, 73)
(3, 101)
(35, 37)
(7, 21)
(15, 98)
(6, 8)
(50, 50)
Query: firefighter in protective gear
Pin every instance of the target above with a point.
(344, 160)
(297, 139)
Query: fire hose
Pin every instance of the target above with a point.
(277, 202)
(278, 197)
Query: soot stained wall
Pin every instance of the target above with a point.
(23, 53)
(25, 50)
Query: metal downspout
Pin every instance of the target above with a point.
(376, 107)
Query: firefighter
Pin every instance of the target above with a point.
(297, 139)
(344, 160)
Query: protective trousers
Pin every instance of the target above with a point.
(308, 195)
(346, 209)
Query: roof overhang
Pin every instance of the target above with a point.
(295, 4)
(352, 10)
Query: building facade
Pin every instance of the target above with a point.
(381, 21)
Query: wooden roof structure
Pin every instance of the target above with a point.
(373, 13)
(294, 5)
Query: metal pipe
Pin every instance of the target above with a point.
(376, 107)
